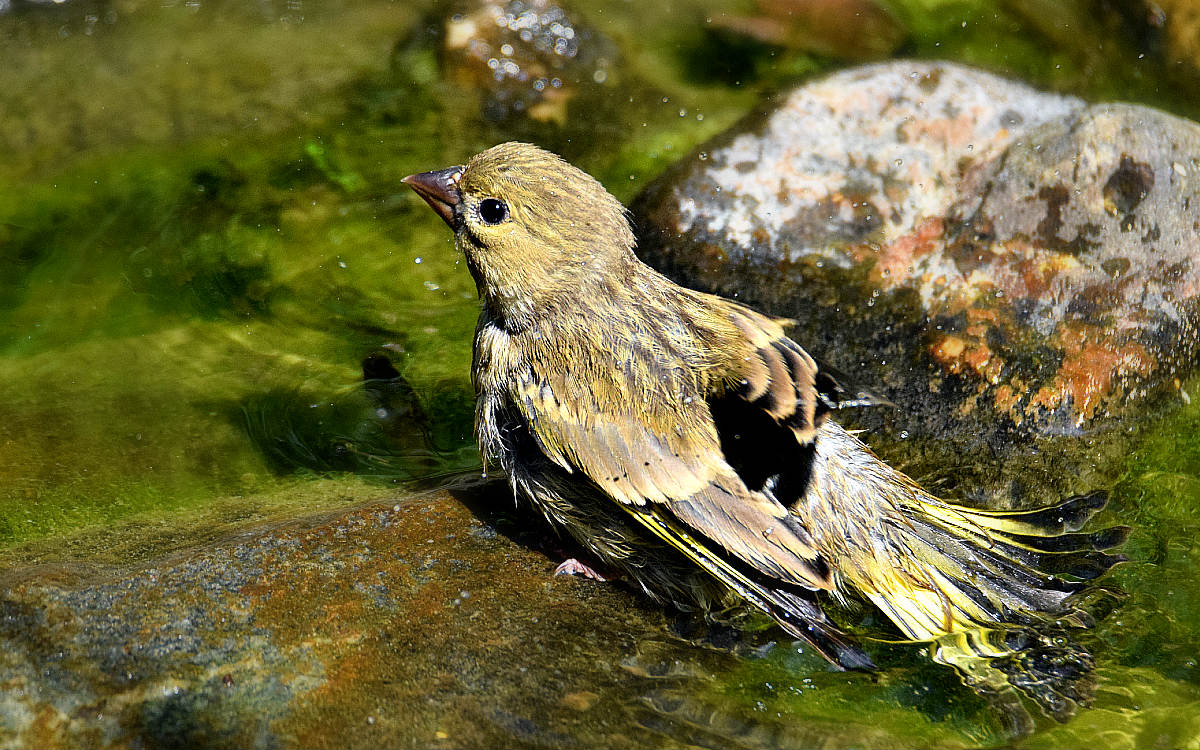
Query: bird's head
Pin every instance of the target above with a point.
(535, 230)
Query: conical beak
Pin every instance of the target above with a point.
(439, 189)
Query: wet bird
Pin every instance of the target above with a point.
(685, 440)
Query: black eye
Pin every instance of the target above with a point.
(492, 211)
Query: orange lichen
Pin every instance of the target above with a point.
(948, 350)
(985, 363)
(969, 351)
(896, 259)
(1091, 364)
(1035, 274)
(1007, 399)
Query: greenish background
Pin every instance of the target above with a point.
(203, 234)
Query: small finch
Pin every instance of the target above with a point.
(685, 440)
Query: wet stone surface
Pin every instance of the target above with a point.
(521, 58)
(425, 621)
(385, 625)
(422, 621)
(1009, 266)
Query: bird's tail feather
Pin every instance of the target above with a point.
(997, 592)
(968, 568)
(936, 568)
(1045, 539)
(987, 567)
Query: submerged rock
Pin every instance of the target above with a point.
(522, 58)
(380, 429)
(428, 620)
(1009, 265)
(406, 624)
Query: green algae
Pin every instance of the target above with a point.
(171, 525)
(162, 301)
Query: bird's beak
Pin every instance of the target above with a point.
(439, 189)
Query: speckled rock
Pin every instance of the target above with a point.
(1008, 265)
(523, 58)
(427, 620)
(413, 624)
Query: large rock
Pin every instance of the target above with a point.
(417, 621)
(519, 58)
(1007, 265)
(432, 621)
(406, 624)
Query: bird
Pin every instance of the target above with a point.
(687, 442)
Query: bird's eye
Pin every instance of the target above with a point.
(492, 211)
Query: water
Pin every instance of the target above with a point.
(205, 248)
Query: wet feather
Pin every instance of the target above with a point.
(685, 439)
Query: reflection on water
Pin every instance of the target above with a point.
(211, 287)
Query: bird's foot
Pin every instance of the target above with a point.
(573, 567)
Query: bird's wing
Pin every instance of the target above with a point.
(676, 481)
(776, 375)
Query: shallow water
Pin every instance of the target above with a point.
(204, 242)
